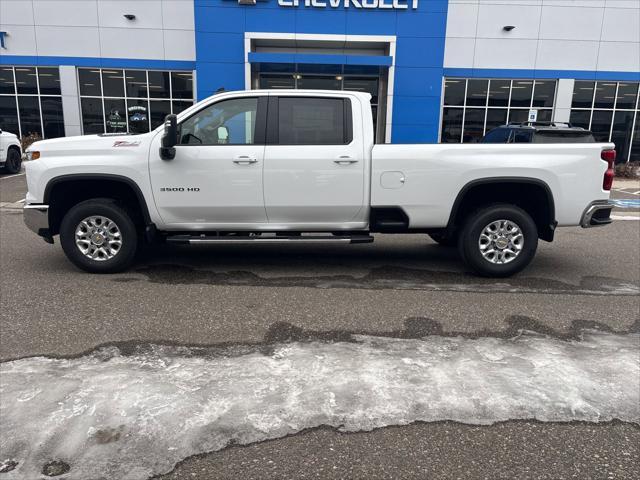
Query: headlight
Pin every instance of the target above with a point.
(33, 155)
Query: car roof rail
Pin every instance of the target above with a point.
(543, 124)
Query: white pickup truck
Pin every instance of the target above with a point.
(295, 166)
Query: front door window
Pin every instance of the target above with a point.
(230, 122)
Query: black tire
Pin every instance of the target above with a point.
(444, 241)
(102, 207)
(13, 164)
(469, 241)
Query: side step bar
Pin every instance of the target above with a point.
(240, 240)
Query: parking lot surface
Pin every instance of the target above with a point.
(400, 287)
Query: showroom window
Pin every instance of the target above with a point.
(474, 106)
(31, 101)
(610, 111)
(136, 101)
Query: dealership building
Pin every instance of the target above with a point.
(437, 70)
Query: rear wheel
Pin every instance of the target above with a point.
(99, 236)
(13, 163)
(498, 241)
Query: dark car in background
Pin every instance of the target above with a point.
(538, 133)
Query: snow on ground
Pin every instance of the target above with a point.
(115, 416)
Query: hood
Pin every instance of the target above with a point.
(8, 135)
(91, 146)
(89, 142)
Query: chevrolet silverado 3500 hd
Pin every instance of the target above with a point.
(295, 166)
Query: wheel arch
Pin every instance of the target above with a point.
(531, 194)
(63, 192)
(14, 146)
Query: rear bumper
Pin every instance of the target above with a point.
(36, 217)
(597, 214)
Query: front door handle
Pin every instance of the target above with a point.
(345, 160)
(244, 160)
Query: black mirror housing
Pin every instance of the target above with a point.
(170, 137)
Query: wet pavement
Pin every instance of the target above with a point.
(398, 287)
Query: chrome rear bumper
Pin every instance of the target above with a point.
(597, 214)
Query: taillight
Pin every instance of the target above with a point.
(608, 156)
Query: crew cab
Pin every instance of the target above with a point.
(285, 166)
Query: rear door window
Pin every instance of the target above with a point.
(314, 121)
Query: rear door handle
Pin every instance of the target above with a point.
(345, 160)
(245, 160)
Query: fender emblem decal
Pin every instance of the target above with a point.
(124, 143)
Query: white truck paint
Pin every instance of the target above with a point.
(211, 192)
(10, 152)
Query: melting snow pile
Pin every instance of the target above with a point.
(115, 416)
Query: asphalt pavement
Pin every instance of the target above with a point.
(400, 286)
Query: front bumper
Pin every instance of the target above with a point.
(36, 217)
(597, 214)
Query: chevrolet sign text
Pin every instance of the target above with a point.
(379, 4)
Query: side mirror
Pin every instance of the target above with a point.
(170, 138)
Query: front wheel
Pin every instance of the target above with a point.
(99, 236)
(498, 241)
(13, 163)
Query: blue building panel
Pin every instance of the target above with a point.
(309, 20)
(414, 133)
(413, 24)
(220, 19)
(419, 81)
(278, 21)
(416, 110)
(371, 22)
(419, 33)
(229, 76)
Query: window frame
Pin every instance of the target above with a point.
(487, 107)
(149, 99)
(38, 95)
(635, 124)
(259, 135)
(272, 134)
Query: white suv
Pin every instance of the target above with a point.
(10, 152)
